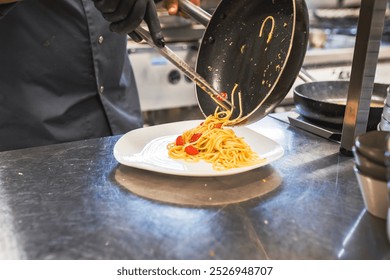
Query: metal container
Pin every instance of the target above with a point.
(387, 160)
(375, 194)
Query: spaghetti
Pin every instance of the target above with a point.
(213, 143)
(270, 34)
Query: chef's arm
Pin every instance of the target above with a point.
(6, 6)
(8, 1)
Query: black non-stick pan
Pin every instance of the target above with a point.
(258, 45)
(252, 48)
(325, 102)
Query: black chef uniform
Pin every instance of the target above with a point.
(63, 75)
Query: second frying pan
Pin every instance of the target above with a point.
(325, 102)
(257, 47)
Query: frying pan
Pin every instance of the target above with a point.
(325, 102)
(258, 46)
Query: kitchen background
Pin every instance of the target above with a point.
(167, 95)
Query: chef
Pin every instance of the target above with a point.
(64, 75)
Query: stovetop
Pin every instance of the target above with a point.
(293, 118)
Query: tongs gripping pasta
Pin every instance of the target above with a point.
(186, 69)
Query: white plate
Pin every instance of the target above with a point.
(146, 148)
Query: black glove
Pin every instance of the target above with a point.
(126, 15)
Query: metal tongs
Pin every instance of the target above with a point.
(186, 69)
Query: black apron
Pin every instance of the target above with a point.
(63, 75)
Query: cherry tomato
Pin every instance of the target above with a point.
(222, 96)
(195, 137)
(179, 141)
(218, 125)
(191, 150)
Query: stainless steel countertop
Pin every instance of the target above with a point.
(65, 202)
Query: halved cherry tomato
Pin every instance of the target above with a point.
(195, 137)
(218, 125)
(191, 150)
(179, 141)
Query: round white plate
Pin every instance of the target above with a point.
(146, 148)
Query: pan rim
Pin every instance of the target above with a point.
(300, 94)
(245, 119)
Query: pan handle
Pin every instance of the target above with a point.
(305, 76)
(197, 13)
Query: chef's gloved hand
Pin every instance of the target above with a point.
(126, 15)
